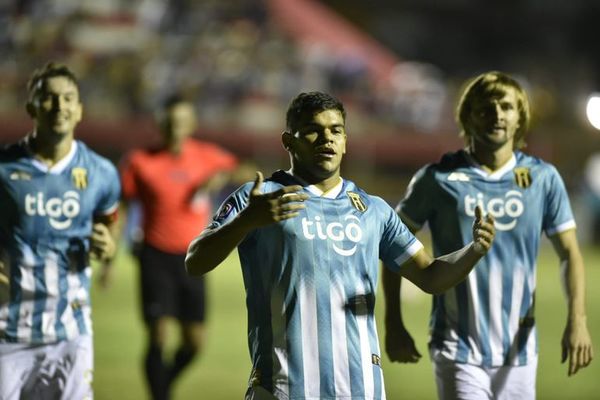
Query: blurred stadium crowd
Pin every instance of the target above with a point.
(230, 55)
(243, 60)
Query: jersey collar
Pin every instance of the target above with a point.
(330, 194)
(60, 166)
(495, 175)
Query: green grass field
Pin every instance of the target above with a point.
(222, 371)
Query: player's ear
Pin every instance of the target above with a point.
(287, 140)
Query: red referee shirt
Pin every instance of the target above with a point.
(165, 183)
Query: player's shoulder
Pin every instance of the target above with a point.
(13, 151)
(92, 159)
(204, 146)
(356, 193)
(536, 165)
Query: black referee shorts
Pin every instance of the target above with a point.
(167, 289)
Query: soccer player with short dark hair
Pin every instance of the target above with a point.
(173, 183)
(483, 338)
(309, 243)
(58, 201)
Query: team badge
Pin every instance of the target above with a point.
(225, 211)
(357, 202)
(79, 176)
(522, 177)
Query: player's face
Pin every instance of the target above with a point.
(180, 122)
(56, 107)
(319, 143)
(494, 118)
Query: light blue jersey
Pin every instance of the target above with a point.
(310, 291)
(45, 225)
(488, 319)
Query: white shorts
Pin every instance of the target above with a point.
(61, 370)
(458, 381)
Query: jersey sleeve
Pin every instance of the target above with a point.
(127, 175)
(111, 193)
(397, 243)
(558, 216)
(231, 206)
(417, 203)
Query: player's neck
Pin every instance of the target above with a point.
(491, 160)
(323, 185)
(50, 149)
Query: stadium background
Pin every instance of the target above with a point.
(397, 65)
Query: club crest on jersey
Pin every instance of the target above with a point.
(357, 202)
(522, 177)
(79, 176)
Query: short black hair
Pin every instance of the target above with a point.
(310, 103)
(48, 71)
(173, 99)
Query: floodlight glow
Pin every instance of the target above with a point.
(593, 110)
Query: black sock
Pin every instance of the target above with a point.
(183, 357)
(156, 373)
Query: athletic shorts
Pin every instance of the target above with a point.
(459, 381)
(60, 370)
(167, 289)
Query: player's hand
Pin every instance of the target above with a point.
(399, 344)
(483, 231)
(103, 246)
(105, 276)
(577, 345)
(267, 208)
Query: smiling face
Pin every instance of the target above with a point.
(56, 107)
(494, 118)
(317, 145)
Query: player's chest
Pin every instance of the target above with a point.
(335, 225)
(510, 200)
(58, 198)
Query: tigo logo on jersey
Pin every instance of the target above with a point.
(335, 231)
(59, 211)
(505, 210)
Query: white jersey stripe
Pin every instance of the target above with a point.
(51, 271)
(515, 309)
(365, 345)
(474, 355)
(339, 340)
(495, 309)
(310, 340)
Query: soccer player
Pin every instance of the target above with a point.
(58, 201)
(483, 339)
(309, 244)
(173, 185)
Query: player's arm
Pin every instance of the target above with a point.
(103, 245)
(399, 344)
(209, 249)
(576, 340)
(437, 275)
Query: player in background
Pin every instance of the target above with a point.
(58, 202)
(309, 243)
(483, 340)
(173, 184)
